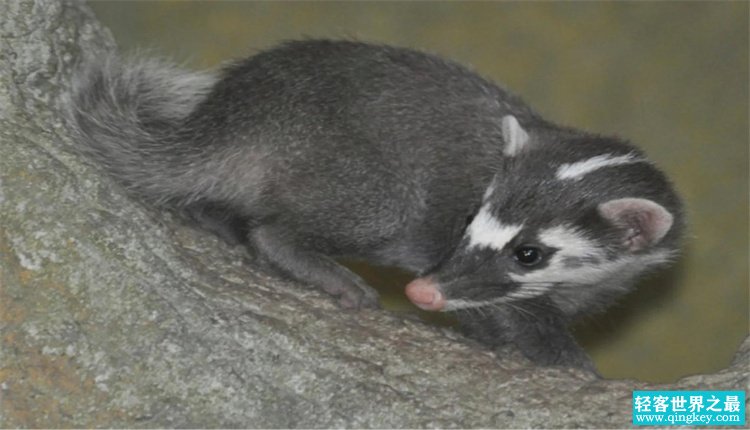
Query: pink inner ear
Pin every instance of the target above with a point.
(644, 221)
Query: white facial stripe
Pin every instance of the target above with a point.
(453, 305)
(569, 241)
(529, 292)
(578, 169)
(525, 292)
(487, 232)
(488, 192)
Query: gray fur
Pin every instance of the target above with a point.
(127, 113)
(318, 149)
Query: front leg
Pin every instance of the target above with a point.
(312, 267)
(534, 326)
(220, 220)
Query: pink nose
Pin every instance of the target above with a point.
(424, 292)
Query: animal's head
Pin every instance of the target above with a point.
(572, 216)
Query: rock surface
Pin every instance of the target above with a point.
(113, 314)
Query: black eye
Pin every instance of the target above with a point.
(528, 255)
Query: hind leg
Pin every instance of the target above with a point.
(313, 268)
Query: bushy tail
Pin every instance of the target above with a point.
(126, 115)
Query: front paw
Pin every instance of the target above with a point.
(354, 296)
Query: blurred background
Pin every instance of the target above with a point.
(670, 76)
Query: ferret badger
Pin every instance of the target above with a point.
(319, 149)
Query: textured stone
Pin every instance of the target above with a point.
(113, 314)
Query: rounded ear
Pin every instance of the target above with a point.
(516, 138)
(643, 221)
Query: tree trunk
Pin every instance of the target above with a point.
(113, 314)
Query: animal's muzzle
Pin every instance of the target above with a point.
(426, 294)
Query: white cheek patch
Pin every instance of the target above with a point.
(486, 231)
(588, 280)
(569, 243)
(578, 169)
(591, 274)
